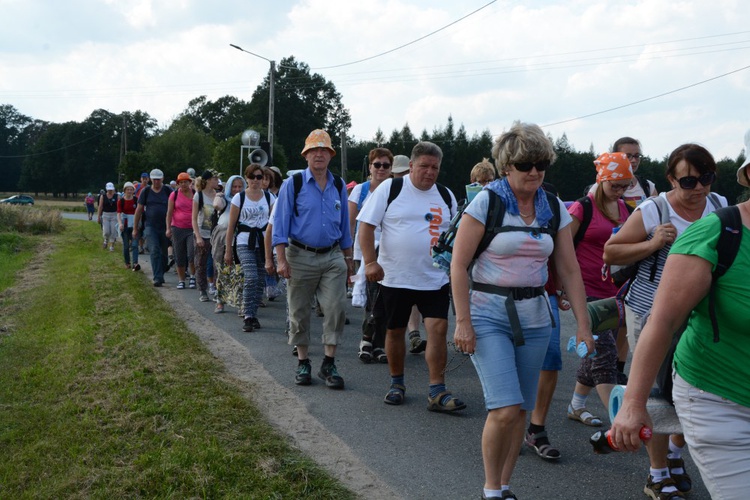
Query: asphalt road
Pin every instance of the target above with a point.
(421, 454)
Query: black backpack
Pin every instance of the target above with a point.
(398, 183)
(727, 247)
(442, 252)
(588, 213)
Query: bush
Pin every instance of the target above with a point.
(30, 220)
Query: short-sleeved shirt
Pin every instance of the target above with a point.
(204, 215)
(252, 214)
(355, 196)
(516, 259)
(127, 210)
(722, 368)
(590, 249)
(410, 227)
(182, 215)
(155, 205)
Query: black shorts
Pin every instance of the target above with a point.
(399, 301)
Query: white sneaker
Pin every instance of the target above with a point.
(212, 289)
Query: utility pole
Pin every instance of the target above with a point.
(271, 99)
(343, 154)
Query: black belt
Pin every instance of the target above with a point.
(513, 294)
(314, 249)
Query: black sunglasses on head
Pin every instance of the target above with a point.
(690, 181)
(526, 166)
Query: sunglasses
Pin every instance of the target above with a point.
(690, 181)
(377, 164)
(258, 177)
(635, 156)
(541, 166)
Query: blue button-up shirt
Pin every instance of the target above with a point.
(323, 215)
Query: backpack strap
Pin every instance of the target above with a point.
(446, 195)
(363, 194)
(200, 200)
(396, 184)
(715, 200)
(727, 247)
(242, 203)
(588, 213)
(644, 185)
(297, 180)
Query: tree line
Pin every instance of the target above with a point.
(69, 158)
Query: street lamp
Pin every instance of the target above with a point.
(270, 94)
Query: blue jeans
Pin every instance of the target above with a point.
(253, 269)
(129, 245)
(156, 240)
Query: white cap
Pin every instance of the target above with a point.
(156, 174)
(110, 186)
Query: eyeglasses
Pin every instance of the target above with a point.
(541, 166)
(634, 156)
(377, 164)
(690, 181)
(618, 187)
(258, 177)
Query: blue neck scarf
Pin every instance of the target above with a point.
(501, 187)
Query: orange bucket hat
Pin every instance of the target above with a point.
(613, 167)
(318, 138)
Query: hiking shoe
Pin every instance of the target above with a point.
(365, 351)
(255, 323)
(303, 376)
(416, 343)
(681, 479)
(191, 283)
(247, 326)
(204, 297)
(330, 374)
(181, 285)
(655, 490)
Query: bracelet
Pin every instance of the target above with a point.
(347, 257)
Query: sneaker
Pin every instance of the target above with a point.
(330, 374)
(247, 326)
(303, 376)
(379, 355)
(111, 248)
(127, 266)
(219, 308)
(348, 293)
(655, 489)
(211, 289)
(204, 297)
(141, 250)
(170, 264)
(104, 245)
(191, 283)
(365, 351)
(136, 267)
(181, 285)
(681, 479)
(158, 283)
(416, 343)
(255, 323)
(294, 351)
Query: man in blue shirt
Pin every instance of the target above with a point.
(314, 251)
(152, 204)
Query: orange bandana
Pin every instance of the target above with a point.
(613, 167)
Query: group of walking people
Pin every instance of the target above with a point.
(519, 254)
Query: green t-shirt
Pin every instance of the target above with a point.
(721, 368)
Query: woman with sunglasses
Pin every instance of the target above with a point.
(249, 215)
(607, 212)
(372, 345)
(646, 239)
(507, 282)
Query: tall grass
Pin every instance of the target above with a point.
(24, 219)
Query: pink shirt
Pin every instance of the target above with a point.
(591, 249)
(182, 216)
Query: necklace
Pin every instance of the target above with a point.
(524, 215)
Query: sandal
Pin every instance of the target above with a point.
(395, 395)
(584, 416)
(219, 308)
(546, 451)
(379, 355)
(181, 285)
(445, 402)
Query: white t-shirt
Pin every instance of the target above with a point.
(410, 227)
(516, 259)
(204, 216)
(354, 198)
(651, 218)
(253, 214)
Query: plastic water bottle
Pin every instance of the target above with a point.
(603, 445)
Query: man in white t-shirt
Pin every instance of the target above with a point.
(410, 225)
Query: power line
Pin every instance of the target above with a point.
(409, 43)
(58, 149)
(648, 98)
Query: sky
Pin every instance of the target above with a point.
(663, 71)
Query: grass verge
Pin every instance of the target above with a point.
(103, 393)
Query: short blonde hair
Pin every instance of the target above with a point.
(483, 170)
(524, 142)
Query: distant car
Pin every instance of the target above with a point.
(19, 199)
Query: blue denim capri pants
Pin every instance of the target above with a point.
(509, 375)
